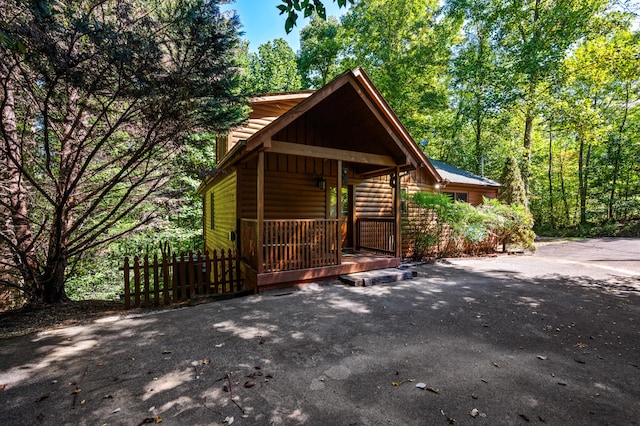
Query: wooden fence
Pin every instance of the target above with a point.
(155, 282)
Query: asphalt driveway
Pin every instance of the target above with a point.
(548, 338)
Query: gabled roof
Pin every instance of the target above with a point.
(453, 174)
(349, 109)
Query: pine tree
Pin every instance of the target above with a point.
(512, 191)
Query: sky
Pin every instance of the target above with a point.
(261, 21)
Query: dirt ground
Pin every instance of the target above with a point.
(548, 338)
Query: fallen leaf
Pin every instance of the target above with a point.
(3, 387)
(158, 419)
(166, 351)
(434, 390)
(206, 361)
(395, 384)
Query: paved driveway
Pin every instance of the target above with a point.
(552, 338)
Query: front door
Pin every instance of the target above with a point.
(346, 203)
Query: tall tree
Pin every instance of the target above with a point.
(95, 99)
(318, 60)
(404, 45)
(512, 189)
(535, 36)
(273, 68)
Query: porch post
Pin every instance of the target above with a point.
(397, 213)
(260, 212)
(339, 211)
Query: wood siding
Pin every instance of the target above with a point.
(263, 113)
(374, 198)
(224, 194)
(291, 190)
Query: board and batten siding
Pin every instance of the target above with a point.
(224, 220)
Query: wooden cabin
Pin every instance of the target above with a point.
(306, 188)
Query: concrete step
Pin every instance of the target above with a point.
(378, 276)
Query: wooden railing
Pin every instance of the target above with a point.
(376, 234)
(299, 244)
(175, 279)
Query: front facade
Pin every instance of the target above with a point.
(306, 188)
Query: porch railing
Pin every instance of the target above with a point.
(290, 244)
(300, 244)
(376, 234)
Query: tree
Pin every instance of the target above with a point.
(319, 52)
(308, 7)
(512, 190)
(535, 36)
(405, 46)
(273, 69)
(96, 99)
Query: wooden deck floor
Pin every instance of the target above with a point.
(351, 262)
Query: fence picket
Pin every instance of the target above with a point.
(177, 279)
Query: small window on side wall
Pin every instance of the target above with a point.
(457, 196)
(212, 216)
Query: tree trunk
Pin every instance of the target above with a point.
(550, 176)
(583, 178)
(616, 161)
(20, 235)
(526, 155)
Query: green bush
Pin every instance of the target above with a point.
(458, 227)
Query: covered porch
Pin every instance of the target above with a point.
(317, 178)
(309, 249)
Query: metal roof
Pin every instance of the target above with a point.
(456, 175)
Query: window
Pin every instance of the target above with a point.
(457, 196)
(212, 218)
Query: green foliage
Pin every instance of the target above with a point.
(95, 111)
(513, 224)
(512, 189)
(273, 69)
(319, 52)
(307, 7)
(458, 227)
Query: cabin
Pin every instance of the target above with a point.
(315, 184)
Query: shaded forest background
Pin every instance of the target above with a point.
(553, 84)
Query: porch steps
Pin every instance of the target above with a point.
(378, 276)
